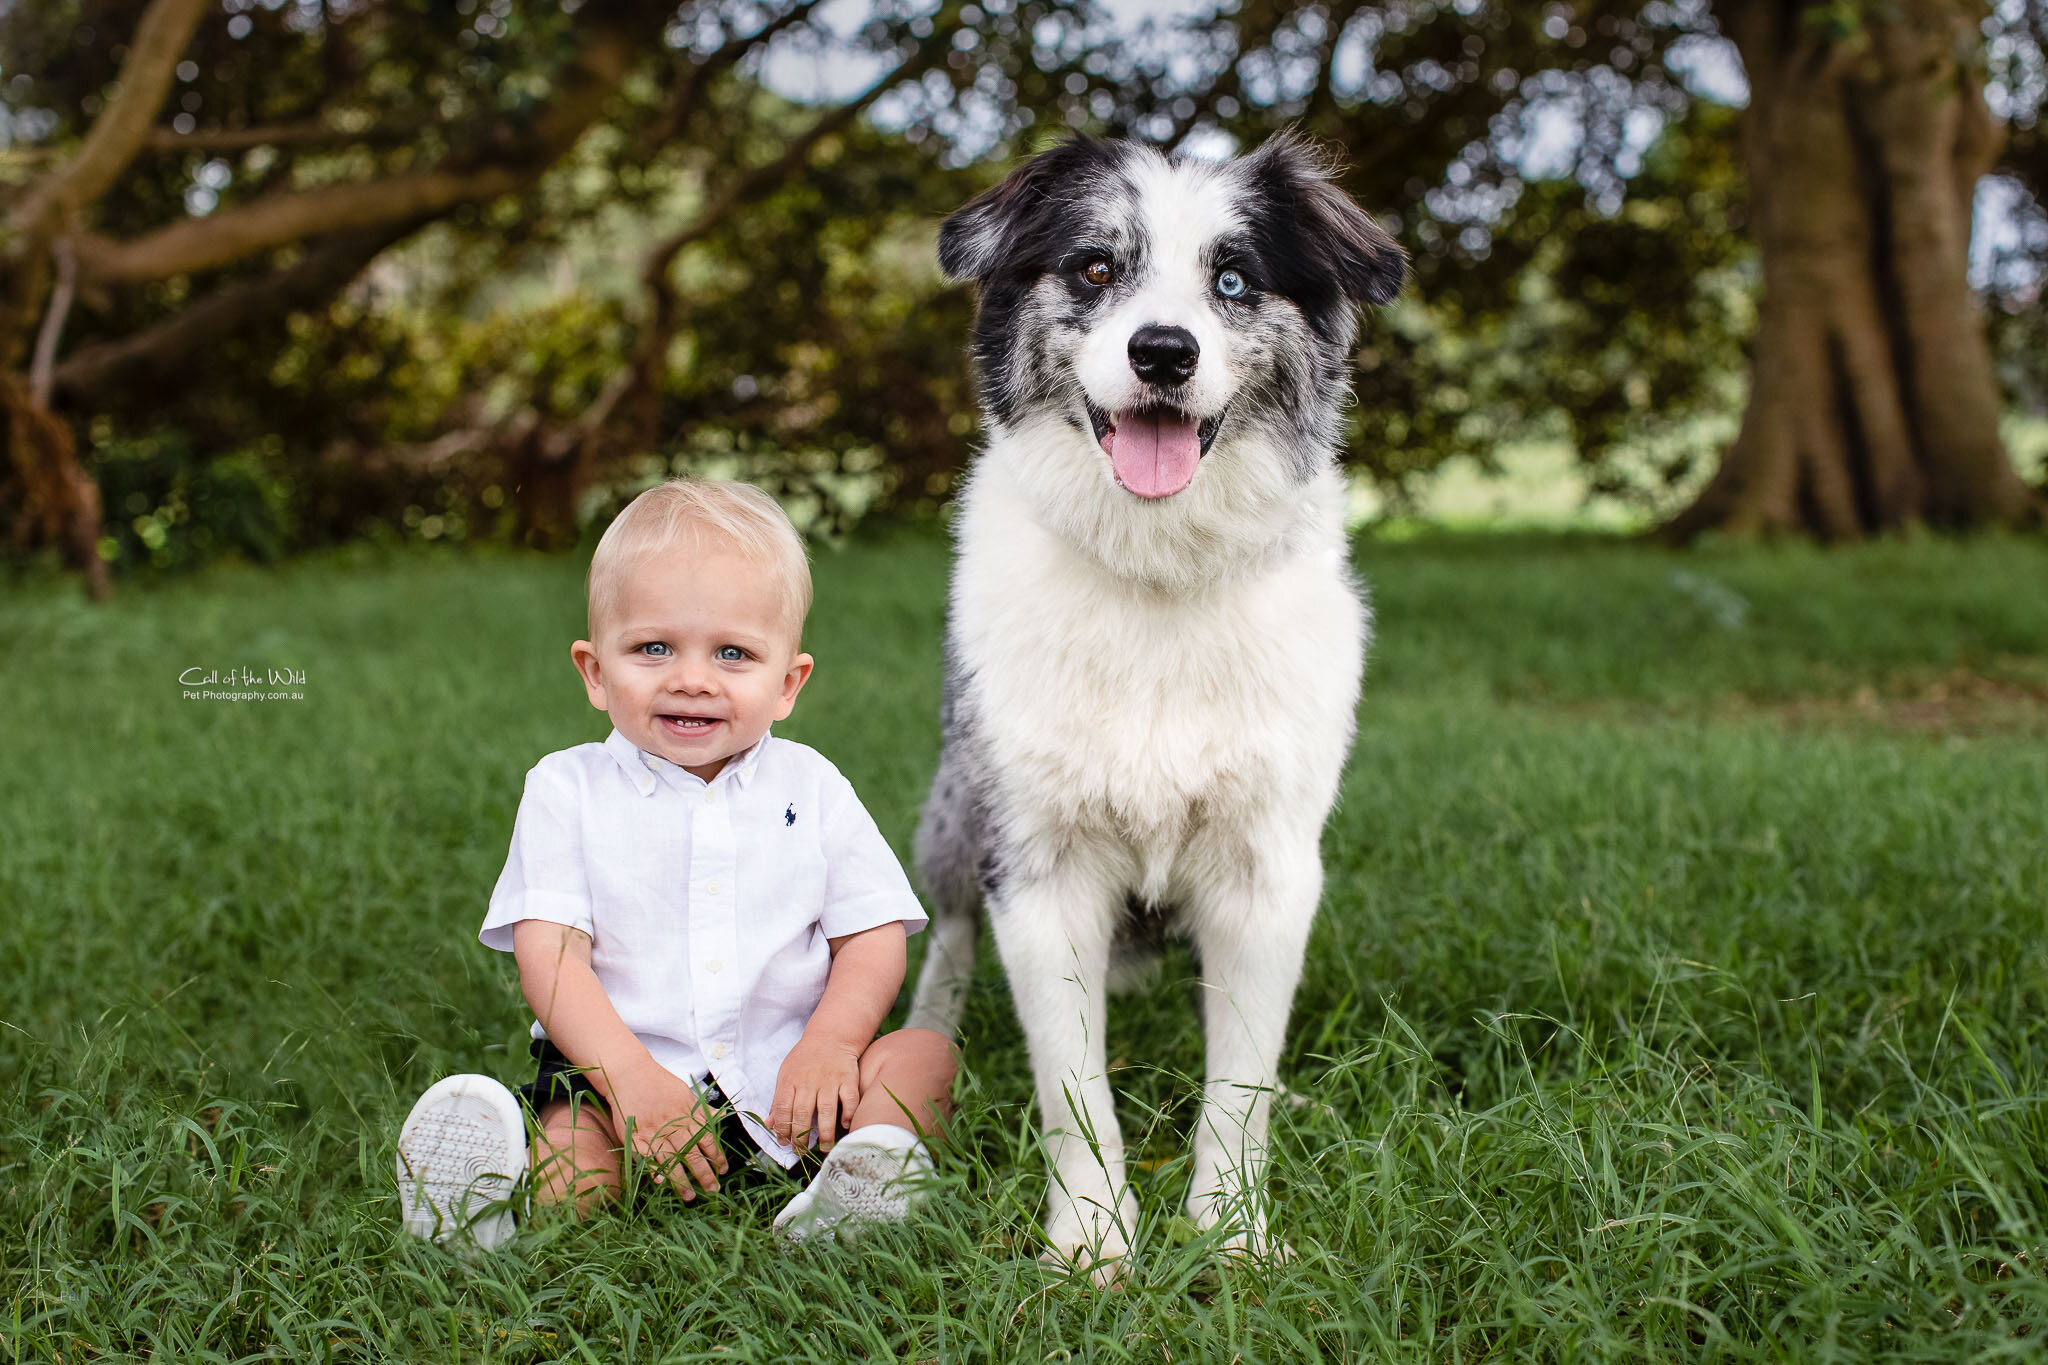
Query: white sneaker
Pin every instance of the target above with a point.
(870, 1176)
(461, 1155)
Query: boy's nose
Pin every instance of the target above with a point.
(692, 677)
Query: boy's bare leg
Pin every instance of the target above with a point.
(906, 1078)
(576, 1155)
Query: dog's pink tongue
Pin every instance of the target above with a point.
(1154, 456)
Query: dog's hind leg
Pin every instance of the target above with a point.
(949, 850)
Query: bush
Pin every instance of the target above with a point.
(166, 509)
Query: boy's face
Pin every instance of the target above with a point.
(698, 659)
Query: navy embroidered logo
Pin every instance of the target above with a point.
(789, 814)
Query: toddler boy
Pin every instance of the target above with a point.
(708, 926)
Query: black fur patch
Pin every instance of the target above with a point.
(1040, 220)
(1312, 243)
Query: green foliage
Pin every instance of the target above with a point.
(817, 348)
(1677, 994)
(818, 327)
(1605, 299)
(1837, 22)
(1619, 331)
(1641, 318)
(168, 509)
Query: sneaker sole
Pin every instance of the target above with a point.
(860, 1184)
(461, 1155)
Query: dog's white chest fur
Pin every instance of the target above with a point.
(1120, 718)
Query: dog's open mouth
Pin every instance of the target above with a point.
(1153, 450)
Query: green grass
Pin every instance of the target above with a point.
(1679, 991)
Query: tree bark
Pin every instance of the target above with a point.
(194, 244)
(1873, 404)
(59, 502)
(45, 210)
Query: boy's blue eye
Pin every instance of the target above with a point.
(731, 654)
(1230, 284)
(653, 645)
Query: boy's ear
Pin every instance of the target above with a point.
(584, 655)
(792, 683)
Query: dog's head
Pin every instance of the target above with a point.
(1157, 307)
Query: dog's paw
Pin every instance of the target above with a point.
(1249, 1239)
(1108, 1269)
(1085, 1236)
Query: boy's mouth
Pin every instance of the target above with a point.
(689, 727)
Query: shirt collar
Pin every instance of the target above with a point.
(644, 770)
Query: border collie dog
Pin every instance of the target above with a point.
(1154, 641)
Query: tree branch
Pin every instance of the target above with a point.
(309, 132)
(53, 322)
(614, 37)
(167, 349)
(638, 383)
(690, 93)
(746, 184)
(118, 133)
(277, 219)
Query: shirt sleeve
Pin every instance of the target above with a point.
(865, 885)
(543, 876)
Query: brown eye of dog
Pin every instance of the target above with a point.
(1098, 272)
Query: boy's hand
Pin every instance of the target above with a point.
(671, 1126)
(820, 1079)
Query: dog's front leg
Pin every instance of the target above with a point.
(1250, 929)
(1053, 935)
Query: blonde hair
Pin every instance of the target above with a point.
(697, 512)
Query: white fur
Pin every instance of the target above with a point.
(1156, 699)
(1181, 739)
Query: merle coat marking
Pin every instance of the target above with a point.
(1149, 699)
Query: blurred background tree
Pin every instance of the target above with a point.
(1852, 176)
(281, 273)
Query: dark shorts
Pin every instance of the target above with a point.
(561, 1079)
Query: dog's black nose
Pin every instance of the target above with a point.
(1164, 355)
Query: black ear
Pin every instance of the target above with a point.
(1008, 221)
(1298, 183)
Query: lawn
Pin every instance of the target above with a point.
(1680, 990)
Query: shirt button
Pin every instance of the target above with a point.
(718, 1052)
(710, 797)
(711, 887)
(652, 761)
(713, 965)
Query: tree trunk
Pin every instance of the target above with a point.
(61, 503)
(1873, 406)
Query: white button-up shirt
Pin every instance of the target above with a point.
(708, 905)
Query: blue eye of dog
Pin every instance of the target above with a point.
(1230, 284)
